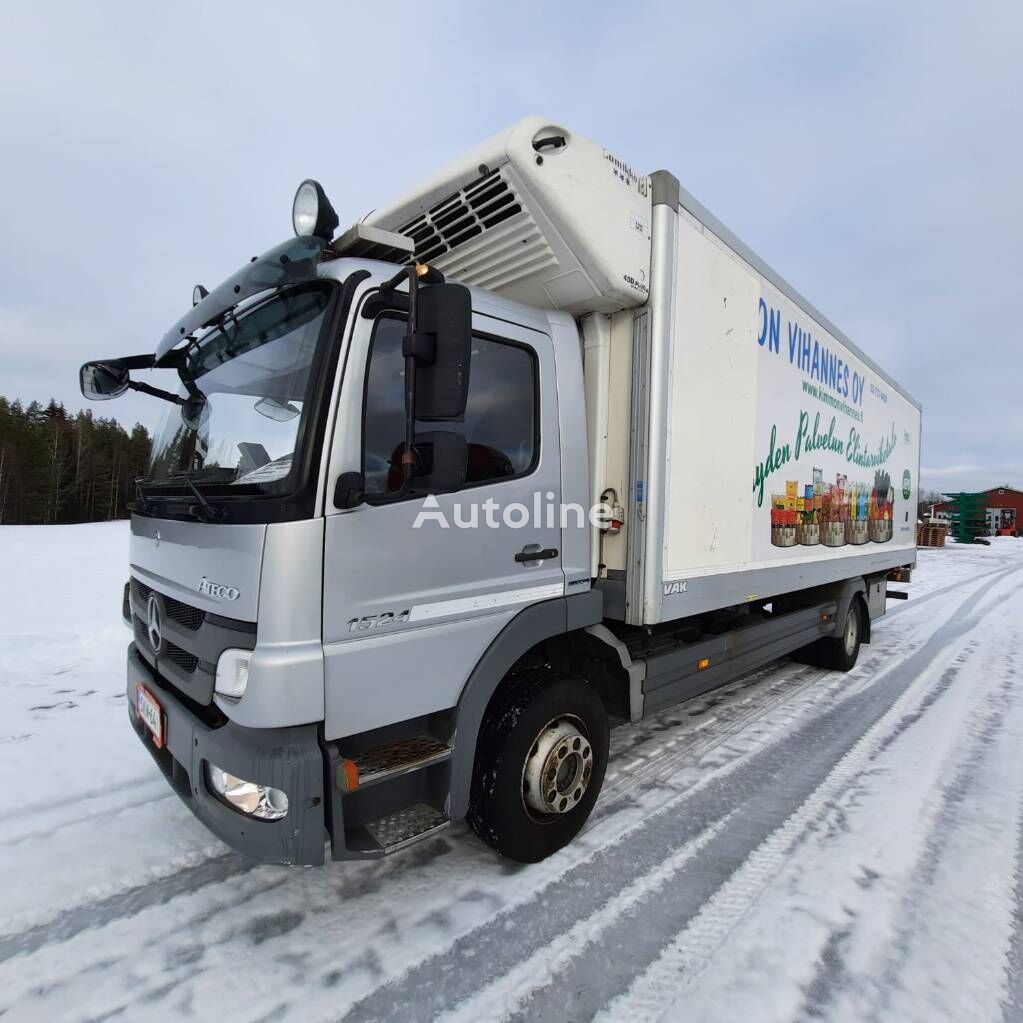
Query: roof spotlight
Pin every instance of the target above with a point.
(198, 294)
(311, 212)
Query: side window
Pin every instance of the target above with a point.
(501, 416)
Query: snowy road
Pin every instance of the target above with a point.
(801, 845)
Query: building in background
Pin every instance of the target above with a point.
(1003, 510)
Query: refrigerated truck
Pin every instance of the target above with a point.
(539, 448)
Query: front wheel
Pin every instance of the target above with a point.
(540, 763)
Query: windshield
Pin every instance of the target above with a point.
(243, 391)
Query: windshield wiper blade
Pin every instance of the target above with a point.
(141, 503)
(209, 512)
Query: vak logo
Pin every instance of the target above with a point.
(681, 586)
(218, 590)
(907, 488)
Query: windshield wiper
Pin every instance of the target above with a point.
(204, 511)
(141, 503)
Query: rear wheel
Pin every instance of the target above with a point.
(840, 652)
(540, 763)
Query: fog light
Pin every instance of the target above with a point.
(232, 673)
(262, 801)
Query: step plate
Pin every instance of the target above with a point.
(399, 757)
(407, 826)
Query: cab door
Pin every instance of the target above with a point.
(415, 591)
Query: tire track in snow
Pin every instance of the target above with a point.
(1014, 1003)
(680, 963)
(745, 863)
(400, 865)
(97, 914)
(655, 764)
(971, 800)
(102, 792)
(806, 753)
(873, 665)
(495, 1000)
(124, 806)
(831, 968)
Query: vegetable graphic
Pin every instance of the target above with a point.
(882, 484)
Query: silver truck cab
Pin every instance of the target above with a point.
(306, 667)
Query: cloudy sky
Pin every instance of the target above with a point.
(871, 152)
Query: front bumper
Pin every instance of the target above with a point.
(290, 759)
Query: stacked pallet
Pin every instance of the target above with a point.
(931, 534)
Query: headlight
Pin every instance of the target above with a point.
(232, 673)
(311, 212)
(248, 797)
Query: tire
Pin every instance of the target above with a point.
(838, 653)
(842, 652)
(547, 726)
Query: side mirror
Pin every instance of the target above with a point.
(101, 381)
(195, 412)
(443, 317)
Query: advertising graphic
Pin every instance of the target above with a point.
(833, 514)
(837, 445)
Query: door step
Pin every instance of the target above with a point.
(400, 757)
(405, 827)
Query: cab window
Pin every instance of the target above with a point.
(501, 417)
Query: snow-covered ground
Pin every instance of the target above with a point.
(802, 845)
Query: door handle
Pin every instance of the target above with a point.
(535, 553)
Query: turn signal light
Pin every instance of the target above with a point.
(703, 662)
(348, 776)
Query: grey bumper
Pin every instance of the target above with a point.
(287, 758)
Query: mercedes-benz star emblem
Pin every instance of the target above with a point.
(154, 628)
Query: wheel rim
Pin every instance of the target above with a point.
(852, 631)
(558, 768)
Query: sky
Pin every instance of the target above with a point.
(872, 153)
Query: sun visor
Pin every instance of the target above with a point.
(292, 262)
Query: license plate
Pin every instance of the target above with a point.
(150, 711)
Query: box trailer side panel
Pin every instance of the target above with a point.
(790, 459)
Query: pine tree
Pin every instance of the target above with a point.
(55, 467)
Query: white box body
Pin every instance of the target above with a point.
(749, 391)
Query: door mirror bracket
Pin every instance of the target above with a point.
(350, 490)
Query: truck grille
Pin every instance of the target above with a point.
(192, 642)
(182, 658)
(184, 614)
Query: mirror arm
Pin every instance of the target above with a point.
(348, 493)
(408, 457)
(155, 392)
(417, 350)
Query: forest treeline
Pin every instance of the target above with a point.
(61, 467)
